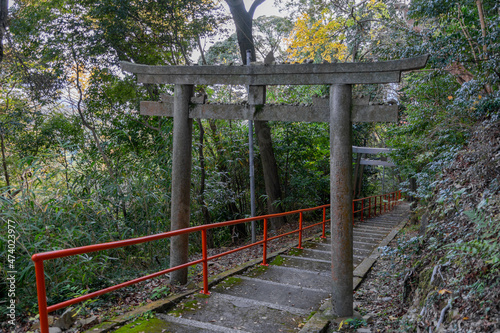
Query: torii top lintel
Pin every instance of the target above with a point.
(289, 74)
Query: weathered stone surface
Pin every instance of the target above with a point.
(339, 73)
(369, 150)
(374, 113)
(92, 320)
(275, 79)
(376, 162)
(317, 112)
(364, 267)
(66, 320)
(181, 181)
(341, 199)
(381, 66)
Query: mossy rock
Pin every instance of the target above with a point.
(152, 325)
(310, 245)
(258, 270)
(201, 295)
(228, 283)
(183, 307)
(424, 285)
(278, 261)
(104, 324)
(295, 252)
(424, 279)
(310, 315)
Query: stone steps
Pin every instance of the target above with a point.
(276, 298)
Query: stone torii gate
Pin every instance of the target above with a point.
(340, 110)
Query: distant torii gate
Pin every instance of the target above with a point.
(367, 150)
(340, 110)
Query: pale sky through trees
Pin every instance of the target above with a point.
(267, 8)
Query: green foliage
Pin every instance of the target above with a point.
(160, 292)
(432, 129)
(223, 52)
(352, 323)
(302, 149)
(486, 246)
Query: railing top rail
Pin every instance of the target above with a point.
(133, 241)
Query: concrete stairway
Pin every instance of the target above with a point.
(280, 297)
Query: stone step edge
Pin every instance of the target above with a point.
(320, 321)
(322, 251)
(166, 304)
(275, 306)
(198, 324)
(280, 284)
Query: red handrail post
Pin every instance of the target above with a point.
(324, 223)
(264, 244)
(42, 297)
(385, 203)
(205, 261)
(362, 209)
(301, 214)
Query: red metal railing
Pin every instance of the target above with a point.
(383, 203)
(39, 258)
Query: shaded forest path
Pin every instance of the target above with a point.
(282, 297)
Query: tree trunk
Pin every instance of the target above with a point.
(479, 4)
(270, 169)
(243, 21)
(4, 8)
(4, 163)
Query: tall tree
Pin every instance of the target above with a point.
(4, 7)
(243, 21)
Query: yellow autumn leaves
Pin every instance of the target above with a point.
(324, 36)
(321, 39)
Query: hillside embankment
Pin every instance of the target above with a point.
(442, 273)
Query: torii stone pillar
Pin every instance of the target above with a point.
(181, 180)
(341, 199)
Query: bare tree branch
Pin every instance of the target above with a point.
(254, 6)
